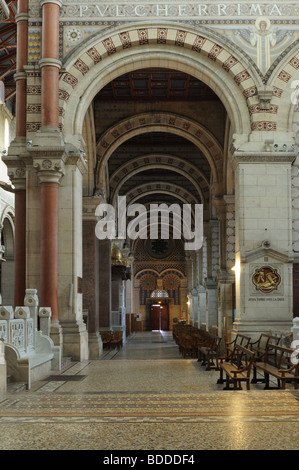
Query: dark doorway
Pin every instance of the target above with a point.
(159, 317)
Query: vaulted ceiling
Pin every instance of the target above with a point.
(156, 84)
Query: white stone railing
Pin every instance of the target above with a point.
(17, 328)
(26, 346)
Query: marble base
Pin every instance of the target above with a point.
(75, 340)
(95, 345)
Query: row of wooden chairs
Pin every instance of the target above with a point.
(112, 339)
(237, 358)
(190, 339)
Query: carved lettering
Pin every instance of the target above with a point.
(179, 10)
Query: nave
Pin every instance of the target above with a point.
(146, 397)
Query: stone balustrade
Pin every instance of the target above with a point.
(30, 353)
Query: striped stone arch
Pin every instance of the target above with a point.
(205, 55)
(168, 162)
(284, 79)
(170, 122)
(162, 188)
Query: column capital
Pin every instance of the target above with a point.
(17, 175)
(89, 207)
(21, 17)
(50, 62)
(56, 2)
(49, 163)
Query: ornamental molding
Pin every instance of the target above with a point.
(262, 157)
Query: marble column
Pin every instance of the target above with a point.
(50, 63)
(50, 170)
(20, 241)
(14, 162)
(91, 276)
(104, 286)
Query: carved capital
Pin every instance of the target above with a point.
(49, 163)
(17, 175)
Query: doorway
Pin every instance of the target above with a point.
(160, 317)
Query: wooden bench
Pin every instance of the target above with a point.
(209, 354)
(259, 348)
(106, 337)
(283, 365)
(240, 339)
(238, 368)
(116, 340)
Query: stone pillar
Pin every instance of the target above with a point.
(14, 162)
(22, 60)
(20, 237)
(105, 307)
(195, 308)
(70, 263)
(211, 304)
(49, 164)
(202, 299)
(50, 63)
(263, 267)
(91, 276)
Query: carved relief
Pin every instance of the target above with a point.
(266, 279)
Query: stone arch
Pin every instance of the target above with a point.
(177, 271)
(147, 270)
(202, 54)
(285, 74)
(171, 122)
(169, 162)
(163, 188)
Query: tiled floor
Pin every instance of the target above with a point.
(146, 397)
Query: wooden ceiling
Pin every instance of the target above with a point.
(156, 85)
(8, 51)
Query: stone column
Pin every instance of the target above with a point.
(50, 169)
(202, 300)
(104, 287)
(263, 268)
(50, 63)
(14, 162)
(91, 276)
(20, 237)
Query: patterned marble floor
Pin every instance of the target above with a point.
(146, 397)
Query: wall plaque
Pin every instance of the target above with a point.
(266, 279)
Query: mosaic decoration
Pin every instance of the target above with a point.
(148, 282)
(266, 279)
(171, 282)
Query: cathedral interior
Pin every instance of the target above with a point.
(149, 191)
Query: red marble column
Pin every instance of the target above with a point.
(50, 64)
(49, 247)
(49, 186)
(20, 246)
(20, 191)
(22, 59)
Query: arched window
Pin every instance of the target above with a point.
(159, 293)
